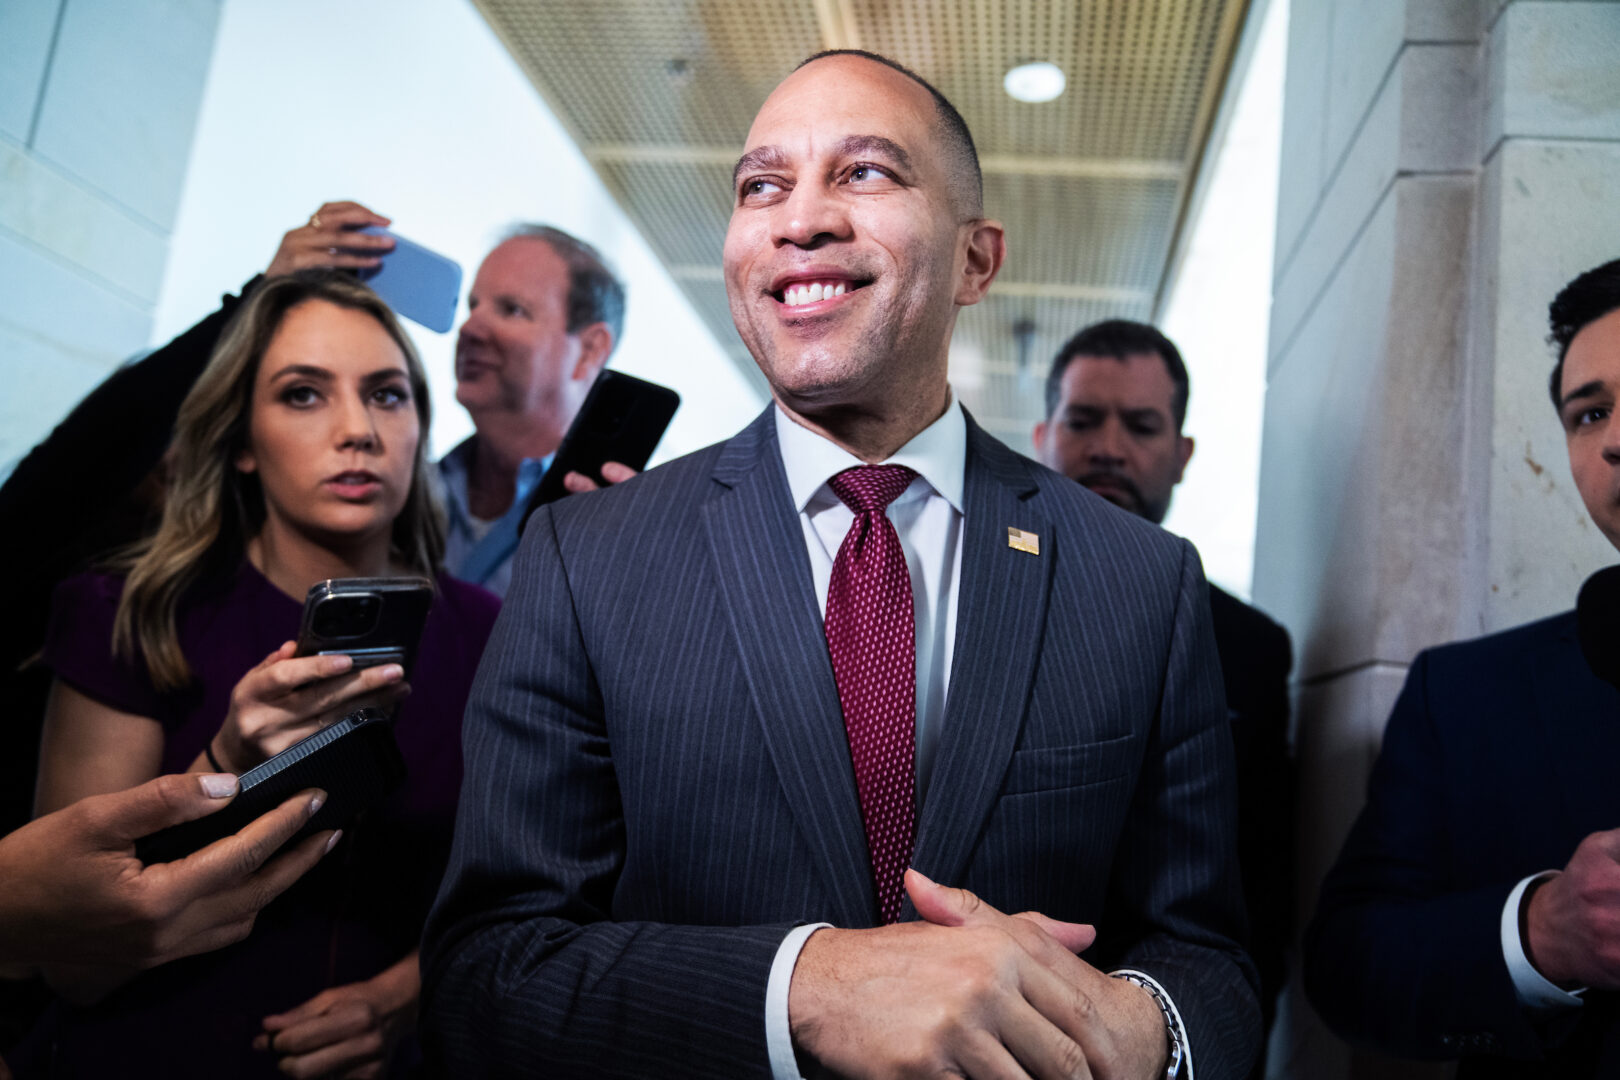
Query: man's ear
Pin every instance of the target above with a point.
(1184, 452)
(595, 346)
(986, 251)
(1038, 436)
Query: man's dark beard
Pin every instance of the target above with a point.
(1123, 486)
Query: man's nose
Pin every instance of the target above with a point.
(1106, 446)
(812, 215)
(1611, 443)
(473, 328)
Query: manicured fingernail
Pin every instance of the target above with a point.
(316, 801)
(332, 843)
(335, 664)
(391, 672)
(218, 785)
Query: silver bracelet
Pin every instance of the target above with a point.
(1172, 1030)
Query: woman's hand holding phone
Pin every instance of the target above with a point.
(287, 698)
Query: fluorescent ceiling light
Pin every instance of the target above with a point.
(1035, 82)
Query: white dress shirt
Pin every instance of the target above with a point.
(1540, 995)
(928, 518)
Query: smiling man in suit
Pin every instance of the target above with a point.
(730, 703)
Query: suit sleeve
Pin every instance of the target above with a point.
(1175, 896)
(525, 972)
(1397, 957)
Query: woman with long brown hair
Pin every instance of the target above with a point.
(299, 455)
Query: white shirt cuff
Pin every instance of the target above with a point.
(1180, 1030)
(1535, 991)
(778, 1036)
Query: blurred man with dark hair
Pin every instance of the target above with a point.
(544, 315)
(1445, 930)
(1116, 399)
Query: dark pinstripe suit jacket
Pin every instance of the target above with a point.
(658, 783)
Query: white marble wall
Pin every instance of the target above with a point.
(98, 102)
(1446, 166)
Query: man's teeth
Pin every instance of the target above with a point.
(796, 295)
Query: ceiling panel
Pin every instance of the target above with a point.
(1092, 187)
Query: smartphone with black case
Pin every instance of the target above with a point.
(621, 419)
(416, 282)
(374, 620)
(355, 761)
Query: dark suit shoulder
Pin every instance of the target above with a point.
(1502, 656)
(1242, 618)
(1247, 636)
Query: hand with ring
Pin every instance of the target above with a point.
(329, 239)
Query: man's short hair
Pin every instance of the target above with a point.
(1583, 301)
(1117, 339)
(958, 139)
(595, 293)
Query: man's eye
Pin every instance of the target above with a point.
(1592, 415)
(758, 188)
(860, 173)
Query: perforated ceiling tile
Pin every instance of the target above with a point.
(682, 208)
(1005, 345)
(1083, 231)
(1091, 186)
(661, 73)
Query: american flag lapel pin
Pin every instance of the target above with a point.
(1019, 540)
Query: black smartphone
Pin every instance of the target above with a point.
(374, 620)
(355, 761)
(621, 419)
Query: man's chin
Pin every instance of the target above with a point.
(1122, 499)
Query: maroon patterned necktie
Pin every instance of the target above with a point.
(872, 639)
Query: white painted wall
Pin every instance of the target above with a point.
(1218, 314)
(98, 100)
(414, 108)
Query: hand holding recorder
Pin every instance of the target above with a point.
(289, 697)
(73, 891)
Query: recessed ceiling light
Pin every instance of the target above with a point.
(1035, 82)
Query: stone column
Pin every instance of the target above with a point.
(98, 102)
(1446, 166)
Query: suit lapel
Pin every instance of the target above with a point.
(1001, 614)
(765, 587)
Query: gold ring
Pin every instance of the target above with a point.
(315, 220)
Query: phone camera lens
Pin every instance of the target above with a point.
(348, 615)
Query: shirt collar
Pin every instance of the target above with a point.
(455, 465)
(937, 453)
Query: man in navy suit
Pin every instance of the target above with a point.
(729, 703)
(1446, 930)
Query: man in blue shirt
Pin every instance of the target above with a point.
(544, 315)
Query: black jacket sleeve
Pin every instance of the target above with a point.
(61, 502)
